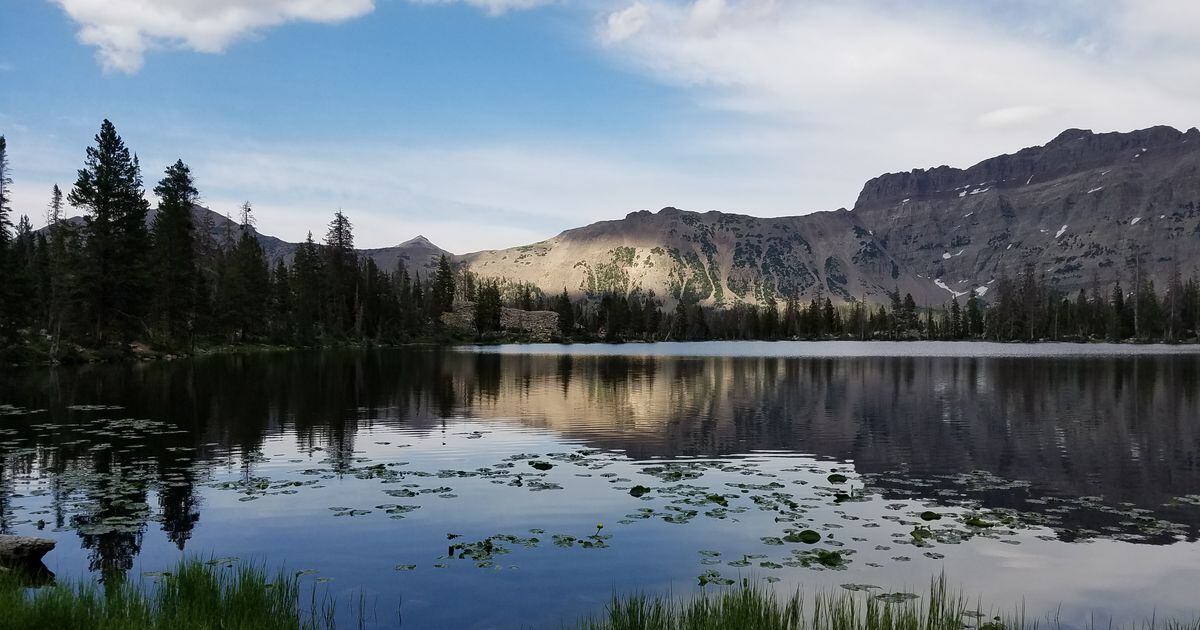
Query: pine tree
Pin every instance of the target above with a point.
(406, 311)
(909, 313)
(22, 278)
(307, 273)
(1117, 314)
(62, 254)
(174, 254)
(566, 313)
(113, 274)
(280, 308)
(487, 308)
(5, 184)
(956, 322)
(252, 277)
(341, 270)
(1174, 302)
(8, 295)
(974, 316)
(443, 286)
(41, 276)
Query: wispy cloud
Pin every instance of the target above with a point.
(802, 101)
(877, 85)
(464, 198)
(493, 7)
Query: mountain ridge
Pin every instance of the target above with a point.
(1084, 209)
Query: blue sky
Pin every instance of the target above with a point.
(492, 123)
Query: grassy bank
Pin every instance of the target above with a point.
(193, 596)
(864, 608)
(201, 596)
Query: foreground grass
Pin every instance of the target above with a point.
(202, 596)
(194, 596)
(755, 607)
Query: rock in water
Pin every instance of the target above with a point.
(23, 550)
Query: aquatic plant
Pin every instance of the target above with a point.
(195, 595)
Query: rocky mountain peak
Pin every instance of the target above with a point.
(418, 241)
(1072, 151)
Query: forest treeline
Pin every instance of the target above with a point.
(128, 273)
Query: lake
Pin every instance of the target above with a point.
(522, 486)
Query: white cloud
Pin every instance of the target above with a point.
(809, 99)
(872, 86)
(1015, 115)
(463, 198)
(124, 31)
(493, 7)
(623, 24)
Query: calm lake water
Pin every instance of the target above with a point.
(466, 488)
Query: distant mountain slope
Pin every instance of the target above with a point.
(1078, 208)
(715, 257)
(1084, 207)
(418, 254)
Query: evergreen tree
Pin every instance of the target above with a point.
(113, 272)
(63, 248)
(974, 316)
(908, 315)
(1117, 314)
(487, 308)
(40, 274)
(1150, 314)
(5, 184)
(369, 301)
(341, 273)
(956, 323)
(1173, 303)
(1083, 314)
(243, 285)
(307, 273)
(174, 254)
(8, 295)
(566, 313)
(22, 277)
(443, 287)
(280, 308)
(407, 312)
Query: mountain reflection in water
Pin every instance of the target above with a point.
(1100, 447)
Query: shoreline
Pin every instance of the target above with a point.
(140, 353)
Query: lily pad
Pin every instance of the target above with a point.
(808, 537)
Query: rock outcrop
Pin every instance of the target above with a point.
(534, 325)
(23, 550)
(537, 325)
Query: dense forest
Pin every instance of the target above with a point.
(129, 277)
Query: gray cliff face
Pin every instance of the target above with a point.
(1084, 208)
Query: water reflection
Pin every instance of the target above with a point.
(1053, 428)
